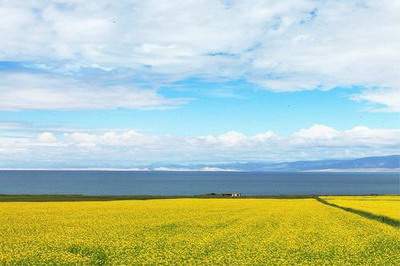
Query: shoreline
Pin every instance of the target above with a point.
(78, 197)
(210, 170)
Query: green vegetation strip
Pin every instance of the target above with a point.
(80, 197)
(380, 218)
(77, 197)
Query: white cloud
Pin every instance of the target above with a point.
(324, 136)
(39, 91)
(335, 49)
(388, 100)
(176, 39)
(317, 132)
(47, 137)
(368, 136)
(231, 138)
(11, 125)
(130, 148)
(319, 135)
(265, 136)
(281, 45)
(83, 139)
(109, 138)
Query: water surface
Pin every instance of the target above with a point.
(194, 183)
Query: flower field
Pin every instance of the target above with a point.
(192, 231)
(380, 205)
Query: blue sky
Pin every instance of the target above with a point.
(128, 83)
(214, 108)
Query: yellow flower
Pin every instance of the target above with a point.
(198, 231)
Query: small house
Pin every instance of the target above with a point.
(233, 195)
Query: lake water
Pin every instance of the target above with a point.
(194, 183)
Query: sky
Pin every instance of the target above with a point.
(129, 83)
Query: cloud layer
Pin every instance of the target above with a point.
(20, 91)
(129, 148)
(73, 54)
(279, 45)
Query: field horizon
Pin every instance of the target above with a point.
(87, 197)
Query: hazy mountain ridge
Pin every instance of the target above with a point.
(389, 163)
(375, 163)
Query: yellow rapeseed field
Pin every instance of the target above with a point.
(380, 205)
(192, 231)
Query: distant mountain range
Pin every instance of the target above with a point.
(378, 163)
(389, 163)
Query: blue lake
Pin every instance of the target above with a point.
(194, 183)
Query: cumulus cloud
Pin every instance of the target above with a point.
(367, 136)
(280, 45)
(40, 91)
(230, 139)
(317, 132)
(131, 148)
(47, 137)
(359, 136)
(110, 138)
